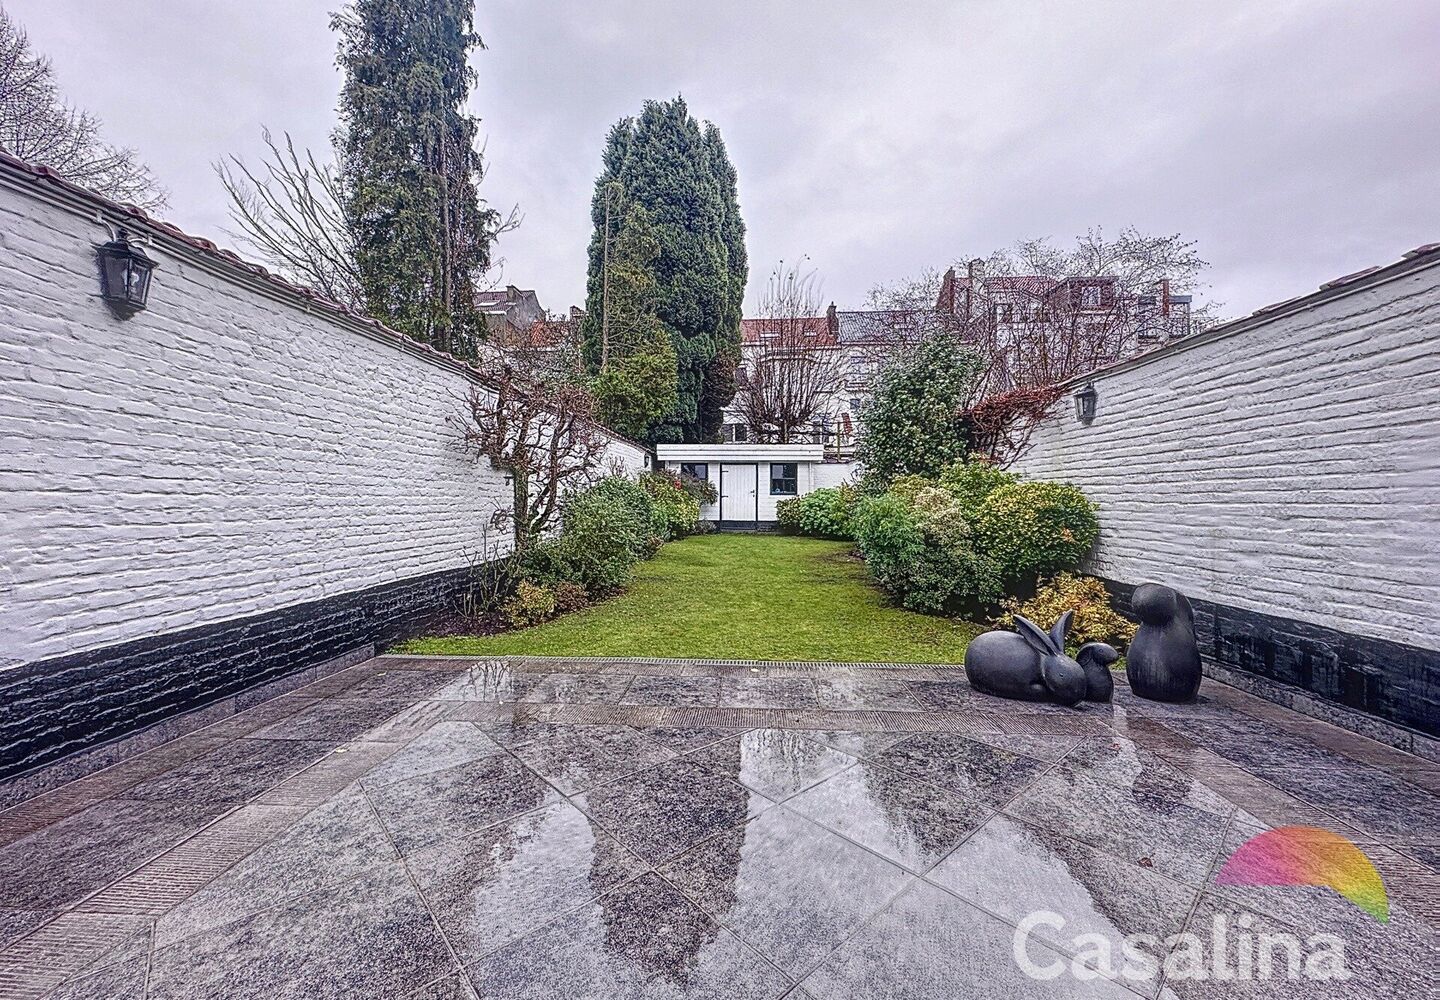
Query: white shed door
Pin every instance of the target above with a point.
(737, 492)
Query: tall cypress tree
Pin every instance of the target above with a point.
(636, 375)
(719, 388)
(410, 166)
(664, 162)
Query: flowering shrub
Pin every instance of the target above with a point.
(1095, 619)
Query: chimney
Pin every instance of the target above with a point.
(1162, 294)
(976, 271)
(511, 293)
(832, 322)
(946, 302)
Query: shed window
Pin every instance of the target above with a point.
(700, 470)
(784, 479)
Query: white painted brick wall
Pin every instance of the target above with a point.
(1291, 468)
(221, 454)
(828, 474)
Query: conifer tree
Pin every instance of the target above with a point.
(664, 162)
(719, 387)
(636, 375)
(410, 166)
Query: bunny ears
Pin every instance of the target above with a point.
(1052, 644)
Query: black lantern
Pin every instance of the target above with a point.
(124, 274)
(1085, 403)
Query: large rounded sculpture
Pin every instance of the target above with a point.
(1163, 661)
(1031, 665)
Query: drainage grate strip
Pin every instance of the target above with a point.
(1050, 725)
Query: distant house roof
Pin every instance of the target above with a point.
(872, 326)
(1033, 284)
(813, 328)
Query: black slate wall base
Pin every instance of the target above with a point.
(1396, 683)
(56, 707)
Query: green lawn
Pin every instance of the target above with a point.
(749, 597)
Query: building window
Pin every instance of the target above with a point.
(700, 470)
(1090, 297)
(1006, 312)
(784, 479)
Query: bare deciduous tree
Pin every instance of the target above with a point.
(543, 435)
(796, 366)
(37, 126)
(1040, 314)
(292, 214)
(1136, 260)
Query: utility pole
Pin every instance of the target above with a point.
(605, 284)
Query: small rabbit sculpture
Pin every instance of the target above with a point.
(1095, 659)
(1031, 665)
(1163, 661)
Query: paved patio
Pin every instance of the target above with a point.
(425, 827)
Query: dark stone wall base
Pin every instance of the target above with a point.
(121, 700)
(1382, 689)
(1316, 707)
(84, 762)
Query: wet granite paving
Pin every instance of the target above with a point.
(448, 828)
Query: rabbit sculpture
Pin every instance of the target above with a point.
(1031, 665)
(1163, 662)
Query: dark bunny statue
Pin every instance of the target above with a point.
(1163, 661)
(1030, 665)
(1095, 659)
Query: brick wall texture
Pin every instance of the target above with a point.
(225, 453)
(1289, 468)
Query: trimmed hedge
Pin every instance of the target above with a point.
(963, 540)
(824, 513)
(1036, 528)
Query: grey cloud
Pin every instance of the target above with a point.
(1295, 140)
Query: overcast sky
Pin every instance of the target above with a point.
(1296, 140)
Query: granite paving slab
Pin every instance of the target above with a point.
(643, 939)
(426, 828)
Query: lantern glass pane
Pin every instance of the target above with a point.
(136, 276)
(114, 266)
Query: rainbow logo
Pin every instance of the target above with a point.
(1308, 855)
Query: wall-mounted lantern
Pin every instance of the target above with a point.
(1085, 401)
(124, 273)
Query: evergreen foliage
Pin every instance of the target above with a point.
(911, 422)
(680, 174)
(634, 361)
(410, 166)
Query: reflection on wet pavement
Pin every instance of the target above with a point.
(440, 828)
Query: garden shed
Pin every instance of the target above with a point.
(750, 479)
